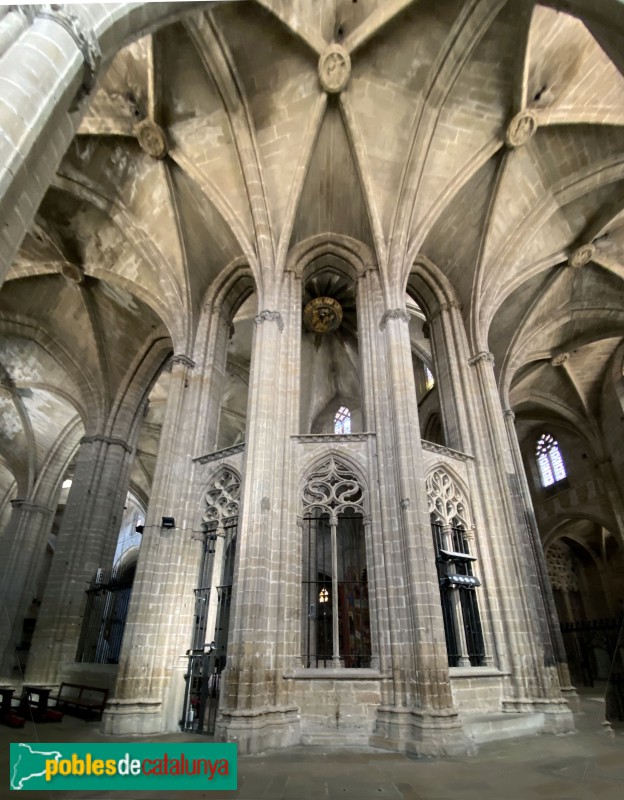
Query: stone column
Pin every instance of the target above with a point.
(256, 710)
(149, 693)
(614, 493)
(86, 542)
(216, 579)
(418, 714)
(534, 682)
(546, 591)
(23, 547)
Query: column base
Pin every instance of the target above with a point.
(126, 717)
(558, 717)
(570, 695)
(419, 732)
(257, 730)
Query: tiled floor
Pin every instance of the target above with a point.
(587, 764)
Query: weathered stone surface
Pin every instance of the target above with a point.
(272, 237)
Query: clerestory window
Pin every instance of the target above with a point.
(342, 420)
(549, 460)
(429, 379)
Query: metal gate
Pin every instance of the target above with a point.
(104, 620)
(205, 664)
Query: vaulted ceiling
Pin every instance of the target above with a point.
(420, 154)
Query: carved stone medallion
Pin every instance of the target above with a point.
(322, 315)
(560, 359)
(152, 138)
(582, 255)
(334, 69)
(72, 272)
(521, 129)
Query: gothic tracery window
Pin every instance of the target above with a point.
(549, 460)
(219, 524)
(336, 618)
(455, 563)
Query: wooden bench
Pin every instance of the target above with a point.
(34, 705)
(74, 697)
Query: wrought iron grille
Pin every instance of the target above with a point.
(203, 678)
(336, 629)
(467, 615)
(104, 620)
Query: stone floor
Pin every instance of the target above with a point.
(587, 764)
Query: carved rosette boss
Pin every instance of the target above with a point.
(582, 255)
(152, 138)
(334, 69)
(521, 128)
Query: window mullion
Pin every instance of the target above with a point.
(333, 521)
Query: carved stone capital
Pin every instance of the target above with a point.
(186, 361)
(582, 255)
(393, 313)
(509, 414)
(484, 355)
(85, 41)
(521, 128)
(270, 316)
(98, 437)
(334, 69)
(559, 360)
(24, 505)
(445, 308)
(152, 138)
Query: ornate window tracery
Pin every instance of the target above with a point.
(458, 583)
(549, 460)
(335, 605)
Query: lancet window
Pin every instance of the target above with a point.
(549, 460)
(336, 617)
(456, 571)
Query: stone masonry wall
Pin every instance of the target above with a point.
(335, 710)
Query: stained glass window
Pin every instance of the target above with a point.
(549, 460)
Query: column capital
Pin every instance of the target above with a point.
(445, 308)
(483, 355)
(270, 316)
(393, 313)
(84, 39)
(18, 502)
(509, 413)
(184, 360)
(110, 440)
